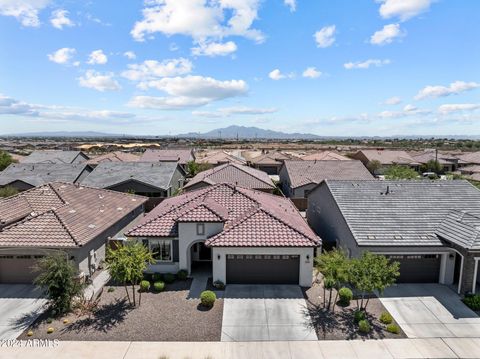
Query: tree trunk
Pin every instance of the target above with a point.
(128, 295)
(140, 298)
(133, 293)
(335, 301)
(366, 304)
(330, 298)
(324, 295)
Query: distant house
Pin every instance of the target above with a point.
(242, 235)
(470, 158)
(60, 216)
(239, 175)
(325, 156)
(386, 158)
(430, 227)
(298, 178)
(23, 176)
(116, 156)
(182, 156)
(55, 157)
(270, 162)
(448, 162)
(156, 180)
(220, 158)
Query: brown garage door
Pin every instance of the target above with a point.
(18, 269)
(263, 269)
(418, 268)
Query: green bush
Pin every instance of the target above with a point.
(158, 286)
(393, 328)
(219, 284)
(208, 298)
(182, 274)
(345, 295)
(169, 278)
(156, 277)
(364, 326)
(111, 289)
(472, 301)
(359, 315)
(144, 285)
(386, 318)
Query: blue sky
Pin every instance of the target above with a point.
(343, 67)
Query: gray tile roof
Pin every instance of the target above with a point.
(37, 174)
(408, 215)
(182, 156)
(53, 156)
(108, 174)
(461, 228)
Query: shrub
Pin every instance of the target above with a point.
(182, 274)
(208, 298)
(66, 321)
(169, 278)
(144, 285)
(49, 320)
(393, 328)
(364, 326)
(111, 289)
(219, 284)
(345, 295)
(386, 318)
(359, 315)
(158, 286)
(156, 277)
(30, 333)
(50, 330)
(472, 301)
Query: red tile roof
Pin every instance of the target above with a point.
(221, 157)
(181, 156)
(251, 218)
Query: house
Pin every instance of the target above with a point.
(298, 178)
(449, 162)
(182, 156)
(325, 156)
(430, 227)
(60, 216)
(220, 158)
(156, 180)
(23, 176)
(55, 156)
(470, 158)
(239, 175)
(115, 156)
(385, 158)
(270, 162)
(242, 235)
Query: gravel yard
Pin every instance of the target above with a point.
(166, 316)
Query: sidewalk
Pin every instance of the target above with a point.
(341, 349)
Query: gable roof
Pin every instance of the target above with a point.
(181, 156)
(61, 215)
(325, 156)
(271, 158)
(430, 155)
(401, 213)
(267, 220)
(37, 174)
(388, 157)
(220, 157)
(470, 157)
(155, 174)
(116, 156)
(461, 228)
(242, 176)
(302, 173)
(53, 156)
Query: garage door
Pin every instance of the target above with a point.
(263, 269)
(418, 268)
(18, 269)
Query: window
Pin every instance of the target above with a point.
(161, 249)
(200, 229)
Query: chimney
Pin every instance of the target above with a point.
(387, 191)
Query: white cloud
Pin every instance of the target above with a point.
(189, 91)
(10, 106)
(366, 64)
(278, 75)
(460, 107)
(25, 11)
(292, 4)
(311, 72)
(130, 55)
(214, 49)
(62, 56)
(98, 81)
(97, 57)
(199, 19)
(403, 9)
(386, 35)
(441, 91)
(59, 19)
(325, 37)
(152, 69)
(395, 100)
(408, 110)
(228, 111)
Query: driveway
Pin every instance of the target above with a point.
(20, 305)
(430, 311)
(265, 313)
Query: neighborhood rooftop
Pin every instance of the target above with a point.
(116, 156)
(325, 156)
(55, 156)
(181, 156)
(386, 157)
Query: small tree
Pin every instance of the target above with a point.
(334, 267)
(5, 160)
(8, 191)
(374, 166)
(372, 272)
(126, 265)
(59, 279)
(397, 172)
(193, 168)
(432, 166)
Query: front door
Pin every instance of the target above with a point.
(205, 253)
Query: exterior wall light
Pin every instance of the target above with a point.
(218, 256)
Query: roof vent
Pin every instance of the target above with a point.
(72, 211)
(119, 209)
(91, 226)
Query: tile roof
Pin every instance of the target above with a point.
(429, 155)
(408, 215)
(37, 174)
(181, 156)
(460, 228)
(221, 157)
(242, 176)
(273, 158)
(61, 215)
(470, 157)
(389, 157)
(52, 156)
(325, 156)
(267, 220)
(302, 173)
(116, 156)
(470, 169)
(155, 174)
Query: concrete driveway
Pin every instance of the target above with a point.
(265, 313)
(430, 311)
(20, 305)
